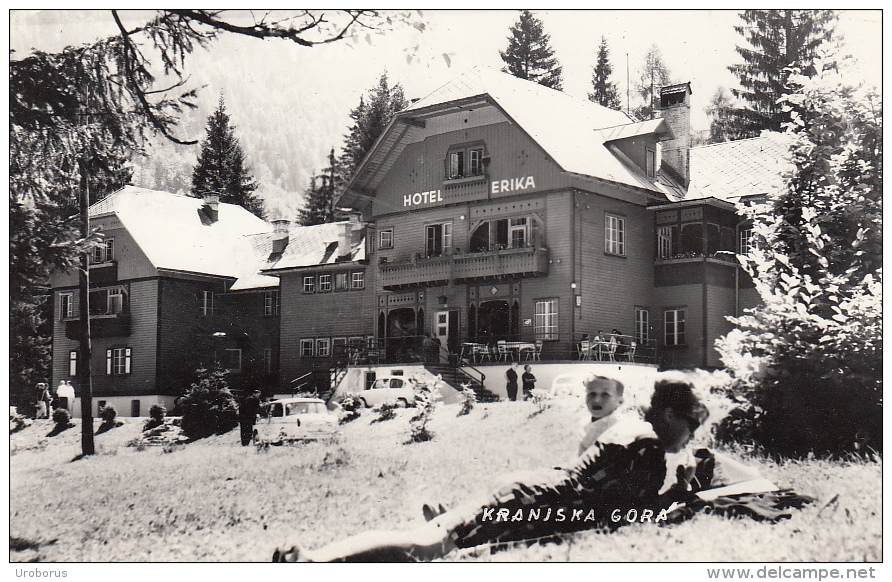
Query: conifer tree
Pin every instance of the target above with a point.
(370, 118)
(320, 196)
(778, 40)
(603, 90)
(529, 55)
(654, 74)
(221, 167)
(720, 111)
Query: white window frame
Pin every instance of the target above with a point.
(104, 252)
(323, 347)
(642, 324)
(109, 250)
(304, 344)
(268, 360)
(745, 242)
(614, 235)
(546, 323)
(357, 280)
(237, 351)
(456, 165)
(664, 242)
(207, 302)
(445, 236)
(475, 161)
(72, 363)
(115, 293)
(520, 225)
(66, 311)
(325, 283)
(341, 282)
(385, 238)
(309, 284)
(271, 302)
(650, 162)
(671, 335)
(117, 361)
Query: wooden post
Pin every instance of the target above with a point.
(83, 372)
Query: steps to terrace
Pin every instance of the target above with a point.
(456, 378)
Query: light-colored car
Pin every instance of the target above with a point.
(288, 419)
(391, 390)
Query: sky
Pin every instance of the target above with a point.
(697, 46)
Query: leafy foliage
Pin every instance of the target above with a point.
(208, 408)
(779, 40)
(156, 417)
(222, 168)
(603, 90)
(470, 400)
(62, 419)
(384, 412)
(108, 414)
(808, 361)
(721, 120)
(654, 74)
(529, 55)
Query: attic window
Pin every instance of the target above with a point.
(465, 161)
(650, 159)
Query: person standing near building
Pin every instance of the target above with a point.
(529, 381)
(247, 415)
(511, 379)
(65, 395)
(44, 401)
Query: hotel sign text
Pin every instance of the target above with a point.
(432, 197)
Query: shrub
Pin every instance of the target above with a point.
(384, 411)
(351, 402)
(108, 414)
(542, 400)
(208, 408)
(156, 417)
(61, 417)
(348, 416)
(424, 401)
(470, 399)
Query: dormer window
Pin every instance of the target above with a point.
(651, 162)
(104, 252)
(464, 162)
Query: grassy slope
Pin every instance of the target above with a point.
(214, 500)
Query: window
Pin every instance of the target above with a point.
(117, 361)
(385, 239)
(691, 239)
(614, 235)
(746, 241)
(340, 281)
(439, 239)
(666, 241)
(72, 363)
(207, 302)
(322, 347)
(674, 327)
(115, 300)
(306, 348)
(104, 252)
(517, 232)
(108, 301)
(268, 360)
(232, 360)
(324, 283)
(270, 303)
(464, 162)
(641, 325)
(547, 319)
(309, 284)
(358, 280)
(650, 162)
(65, 305)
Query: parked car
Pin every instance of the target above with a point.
(295, 419)
(391, 390)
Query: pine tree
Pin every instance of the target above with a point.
(603, 91)
(779, 40)
(221, 167)
(320, 196)
(370, 118)
(529, 55)
(654, 74)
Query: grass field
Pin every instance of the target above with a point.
(213, 500)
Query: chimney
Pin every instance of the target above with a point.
(212, 206)
(345, 237)
(675, 104)
(280, 234)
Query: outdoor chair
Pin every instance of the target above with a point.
(503, 352)
(585, 350)
(630, 353)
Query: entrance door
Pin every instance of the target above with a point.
(443, 331)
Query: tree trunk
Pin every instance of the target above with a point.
(84, 376)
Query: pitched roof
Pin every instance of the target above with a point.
(575, 132)
(732, 170)
(314, 245)
(173, 233)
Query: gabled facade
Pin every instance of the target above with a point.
(174, 288)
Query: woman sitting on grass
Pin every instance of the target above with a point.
(609, 479)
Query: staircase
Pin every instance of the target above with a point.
(456, 377)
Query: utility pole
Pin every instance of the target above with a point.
(628, 89)
(83, 372)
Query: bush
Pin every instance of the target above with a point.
(351, 402)
(384, 411)
(61, 417)
(208, 408)
(470, 399)
(156, 417)
(108, 414)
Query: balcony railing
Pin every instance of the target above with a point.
(115, 325)
(495, 264)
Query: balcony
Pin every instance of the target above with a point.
(522, 262)
(104, 274)
(115, 325)
(486, 265)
